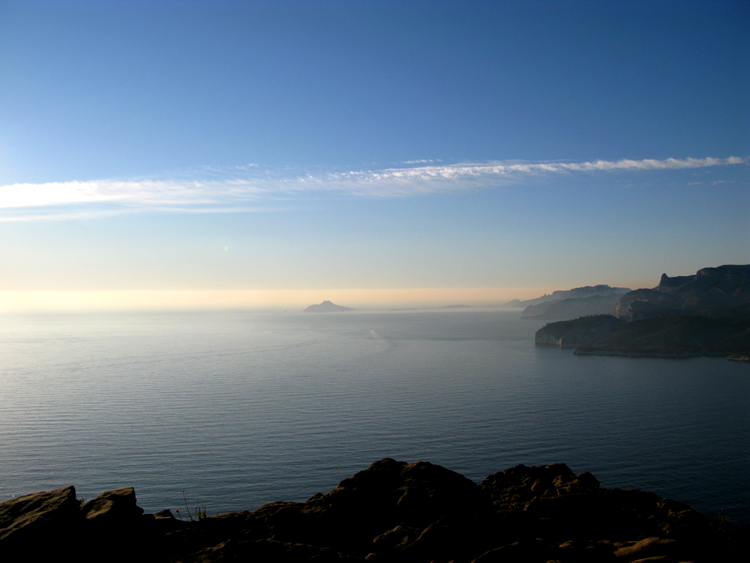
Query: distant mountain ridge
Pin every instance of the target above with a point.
(571, 303)
(572, 308)
(575, 293)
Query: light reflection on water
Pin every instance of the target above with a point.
(240, 409)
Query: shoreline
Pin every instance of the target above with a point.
(665, 356)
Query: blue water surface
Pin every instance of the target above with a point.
(239, 409)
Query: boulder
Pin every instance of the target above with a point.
(32, 526)
(114, 508)
(364, 510)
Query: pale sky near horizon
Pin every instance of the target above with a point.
(167, 154)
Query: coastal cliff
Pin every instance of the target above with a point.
(391, 512)
(707, 314)
(711, 292)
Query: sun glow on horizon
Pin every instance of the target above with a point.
(126, 300)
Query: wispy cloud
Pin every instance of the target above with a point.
(231, 189)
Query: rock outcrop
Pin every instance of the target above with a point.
(327, 307)
(392, 511)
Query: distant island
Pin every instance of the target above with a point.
(327, 307)
(392, 511)
(707, 314)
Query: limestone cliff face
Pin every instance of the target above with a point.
(710, 292)
(547, 337)
(707, 314)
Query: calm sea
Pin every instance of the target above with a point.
(239, 409)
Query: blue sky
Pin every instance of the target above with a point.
(240, 153)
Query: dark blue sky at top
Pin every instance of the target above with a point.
(121, 89)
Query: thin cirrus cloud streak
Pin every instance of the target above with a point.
(53, 200)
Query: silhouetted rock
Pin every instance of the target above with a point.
(327, 307)
(391, 512)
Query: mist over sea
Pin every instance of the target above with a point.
(240, 409)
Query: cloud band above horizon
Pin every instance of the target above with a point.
(46, 201)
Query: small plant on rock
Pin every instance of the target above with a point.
(200, 512)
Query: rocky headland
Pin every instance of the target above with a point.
(711, 292)
(392, 512)
(707, 314)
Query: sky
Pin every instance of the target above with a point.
(199, 154)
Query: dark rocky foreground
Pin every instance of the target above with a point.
(392, 512)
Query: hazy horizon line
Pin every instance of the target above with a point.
(19, 301)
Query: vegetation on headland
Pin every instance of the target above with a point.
(676, 336)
